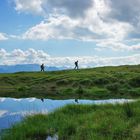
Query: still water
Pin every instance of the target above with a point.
(14, 110)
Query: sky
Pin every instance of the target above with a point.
(59, 32)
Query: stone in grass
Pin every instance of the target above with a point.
(54, 137)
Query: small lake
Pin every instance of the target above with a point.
(14, 110)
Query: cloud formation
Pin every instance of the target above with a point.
(29, 6)
(3, 36)
(105, 17)
(126, 10)
(73, 8)
(108, 23)
(117, 46)
(63, 27)
(46, 7)
(32, 56)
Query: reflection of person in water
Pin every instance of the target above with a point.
(42, 99)
(76, 65)
(76, 100)
(42, 67)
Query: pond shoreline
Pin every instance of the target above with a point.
(13, 110)
(81, 122)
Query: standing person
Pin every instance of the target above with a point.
(42, 67)
(76, 65)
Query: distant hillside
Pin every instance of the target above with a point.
(95, 83)
(26, 68)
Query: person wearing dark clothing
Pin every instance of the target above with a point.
(42, 67)
(76, 65)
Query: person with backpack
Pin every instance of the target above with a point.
(76, 65)
(42, 67)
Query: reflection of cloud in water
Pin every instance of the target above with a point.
(31, 99)
(2, 99)
(112, 101)
(23, 99)
(3, 112)
(27, 113)
(14, 110)
(17, 100)
(8, 119)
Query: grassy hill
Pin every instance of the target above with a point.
(95, 83)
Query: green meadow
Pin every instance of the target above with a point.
(94, 83)
(78, 122)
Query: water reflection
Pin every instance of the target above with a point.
(76, 100)
(42, 99)
(14, 110)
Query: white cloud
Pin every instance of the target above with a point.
(32, 56)
(31, 6)
(117, 46)
(3, 53)
(3, 36)
(57, 28)
(106, 22)
(18, 56)
(69, 19)
(71, 7)
(135, 47)
(63, 27)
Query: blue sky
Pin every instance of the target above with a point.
(59, 32)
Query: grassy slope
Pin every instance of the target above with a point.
(96, 83)
(82, 122)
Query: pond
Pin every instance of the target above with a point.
(14, 110)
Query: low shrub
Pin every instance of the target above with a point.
(135, 82)
(134, 91)
(86, 82)
(113, 87)
(23, 88)
(67, 91)
(80, 90)
(101, 81)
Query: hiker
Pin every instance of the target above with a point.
(76, 65)
(42, 67)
